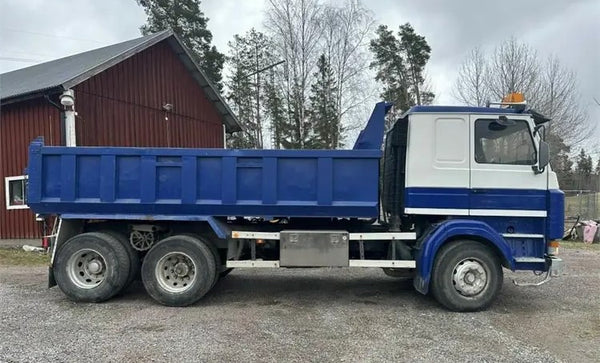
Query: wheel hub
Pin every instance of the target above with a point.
(86, 268)
(94, 267)
(175, 272)
(469, 277)
(181, 269)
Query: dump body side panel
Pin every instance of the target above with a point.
(207, 182)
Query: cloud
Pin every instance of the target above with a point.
(566, 28)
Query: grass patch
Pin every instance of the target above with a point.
(580, 246)
(18, 257)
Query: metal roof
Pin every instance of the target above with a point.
(64, 73)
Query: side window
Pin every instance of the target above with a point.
(509, 143)
(16, 192)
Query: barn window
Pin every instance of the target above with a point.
(16, 192)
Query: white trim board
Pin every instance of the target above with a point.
(522, 235)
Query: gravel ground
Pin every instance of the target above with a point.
(306, 315)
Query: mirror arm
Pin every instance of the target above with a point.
(537, 170)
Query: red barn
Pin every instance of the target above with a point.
(143, 92)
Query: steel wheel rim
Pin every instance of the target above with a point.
(176, 272)
(470, 277)
(87, 268)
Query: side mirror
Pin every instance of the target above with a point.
(543, 157)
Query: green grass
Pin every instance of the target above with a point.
(18, 257)
(580, 246)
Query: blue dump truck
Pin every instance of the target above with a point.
(455, 195)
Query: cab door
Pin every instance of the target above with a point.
(503, 180)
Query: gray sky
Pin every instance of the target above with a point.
(32, 31)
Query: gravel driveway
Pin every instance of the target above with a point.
(306, 315)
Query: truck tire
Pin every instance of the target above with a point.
(135, 263)
(399, 273)
(179, 270)
(213, 250)
(91, 267)
(466, 276)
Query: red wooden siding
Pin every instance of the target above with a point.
(123, 105)
(19, 124)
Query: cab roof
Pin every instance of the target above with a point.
(462, 109)
(538, 118)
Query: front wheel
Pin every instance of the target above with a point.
(466, 276)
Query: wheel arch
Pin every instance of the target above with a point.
(455, 230)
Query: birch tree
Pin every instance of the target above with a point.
(295, 27)
(549, 88)
(470, 87)
(346, 30)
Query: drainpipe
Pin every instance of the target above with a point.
(67, 99)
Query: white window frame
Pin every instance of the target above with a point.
(7, 181)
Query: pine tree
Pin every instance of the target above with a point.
(416, 51)
(275, 109)
(248, 55)
(400, 63)
(186, 20)
(323, 111)
(562, 165)
(597, 176)
(584, 170)
(391, 70)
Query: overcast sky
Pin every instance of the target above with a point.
(32, 31)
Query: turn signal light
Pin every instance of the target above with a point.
(553, 247)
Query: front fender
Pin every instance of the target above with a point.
(447, 230)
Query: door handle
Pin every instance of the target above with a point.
(479, 191)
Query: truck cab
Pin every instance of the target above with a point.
(464, 168)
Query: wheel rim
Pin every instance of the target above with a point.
(176, 272)
(87, 268)
(470, 277)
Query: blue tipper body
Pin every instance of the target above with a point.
(182, 184)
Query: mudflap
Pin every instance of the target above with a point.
(51, 280)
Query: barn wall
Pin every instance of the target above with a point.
(122, 106)
(20, 123)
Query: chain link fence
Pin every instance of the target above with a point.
(582, 203)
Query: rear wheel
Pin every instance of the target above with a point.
(91, 267)
(179, 270)
(466, 276)
(134, 257)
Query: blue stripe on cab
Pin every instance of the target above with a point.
(464, 198)
(528, 199)
(455, 198)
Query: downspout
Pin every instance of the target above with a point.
(67, 99)
(61, 115)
